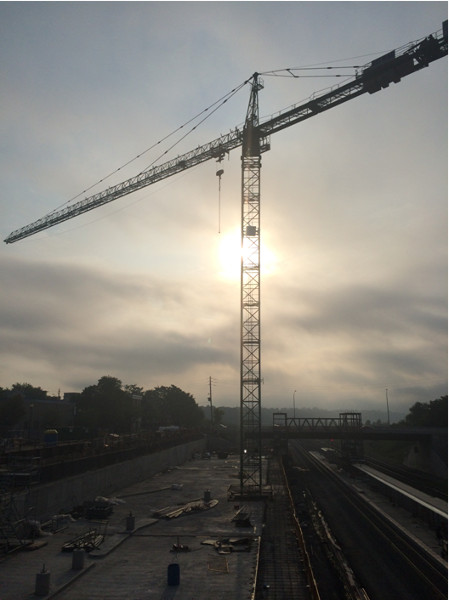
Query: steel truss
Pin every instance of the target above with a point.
(250, 406)
(250, 379)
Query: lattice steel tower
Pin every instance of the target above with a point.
(250, 374)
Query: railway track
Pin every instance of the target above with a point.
(386, 562)
(282, 573)
(429, 484)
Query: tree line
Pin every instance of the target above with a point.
(428, 414)
(111, 406)
(122, 408)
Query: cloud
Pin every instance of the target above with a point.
(67, 317)
(354, 202)
(348, 342)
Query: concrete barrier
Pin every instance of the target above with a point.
(43, 501)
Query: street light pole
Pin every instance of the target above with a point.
(388, 407)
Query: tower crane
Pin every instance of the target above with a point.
(254, 138)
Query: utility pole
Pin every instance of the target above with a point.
(210, 400)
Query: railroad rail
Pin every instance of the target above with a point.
(434, 486)
(284, 566)
(372, 543)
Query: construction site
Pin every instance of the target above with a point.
(120, 532)
(184, 521)
(172, 523)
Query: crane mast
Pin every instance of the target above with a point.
(250, 368)
(254, 139)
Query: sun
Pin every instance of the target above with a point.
(230, 253)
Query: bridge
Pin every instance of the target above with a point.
(347, 426)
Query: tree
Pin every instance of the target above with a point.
(218, 415)
(106, 406)
(154, 413)
(12, 406)
(438, 412)
(12, 410)
(170, 406)
(134, 389)
(26, 390)
(430, 414)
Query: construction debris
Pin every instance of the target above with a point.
(243, 517)
(228, 545)
(88, 541)
(179, 548)
(171, 512)
(100, 508)
(32, 529)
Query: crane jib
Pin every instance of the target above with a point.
(216, 149)
(375, 76)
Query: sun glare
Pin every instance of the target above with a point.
(229, 256)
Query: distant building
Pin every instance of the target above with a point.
(41, 413)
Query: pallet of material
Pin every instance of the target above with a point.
(172, 512)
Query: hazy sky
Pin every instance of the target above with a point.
(353, 203)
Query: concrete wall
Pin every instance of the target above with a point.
(61, 496)
(427, 457)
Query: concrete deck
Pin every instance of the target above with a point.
(135, 565)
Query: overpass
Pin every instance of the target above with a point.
(347, 426)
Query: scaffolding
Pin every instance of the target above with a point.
(18, 477)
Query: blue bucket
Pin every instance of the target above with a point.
(173, 575)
